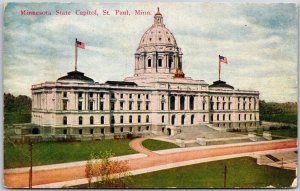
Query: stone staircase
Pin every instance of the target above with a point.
(202, 131)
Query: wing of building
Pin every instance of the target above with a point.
(158, 99)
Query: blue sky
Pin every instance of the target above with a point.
(259, 40)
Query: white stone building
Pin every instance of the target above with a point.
(157, 99)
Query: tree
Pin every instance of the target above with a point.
(107, 173)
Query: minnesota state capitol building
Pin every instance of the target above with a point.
(158, 99)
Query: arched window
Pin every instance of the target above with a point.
(139, 118)
(172, 103)
(130, 118)
(245, 116)
(192, 103)
(91, 120)
(149, 62)
(182, 99)
(102, 119)
(147, 118)
(112, 120)
(121, 119)
(192, 119)
(121, 129)
(80, 120)
(65, 120)
(173, 120)
(182, 119)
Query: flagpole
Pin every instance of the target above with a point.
(75, 54)
(219, 69)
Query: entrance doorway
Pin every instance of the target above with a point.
(35, 131)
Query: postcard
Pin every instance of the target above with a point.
(150, 95)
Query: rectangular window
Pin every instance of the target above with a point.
(130, 105)
(80, 131)
(65, 94)
(91, 94)
(91, 131)
(80, 94)
(101, 106)
(130, 96)
(121, 105)
(102, 130)
(80, 106)
(162, 105)
(159, 62)
(65, 131)
(91, 106)
(139, 96)
(147, 106)
(65, 105)
(139, 105)
(147, 96)
(121, 96)
(101, 95)
(112, 106)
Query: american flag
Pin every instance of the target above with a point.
(80, 44)
(223, 59)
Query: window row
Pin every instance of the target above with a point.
(112, 119)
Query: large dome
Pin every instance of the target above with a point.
(157, 34)
(158, 53)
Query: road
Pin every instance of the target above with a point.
(40, 177)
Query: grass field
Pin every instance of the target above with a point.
(284, 117)
(241, 173)
(51, 153)
(155, 145)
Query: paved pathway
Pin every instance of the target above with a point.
(136, 144)
(40, 177)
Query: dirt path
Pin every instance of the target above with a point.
(18, 180)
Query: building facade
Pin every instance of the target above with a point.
(157, 99)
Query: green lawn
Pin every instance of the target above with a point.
(242, 172)
(51, 152)
(155, 145)
(284, 117)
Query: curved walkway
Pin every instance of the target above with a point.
(136, 145)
